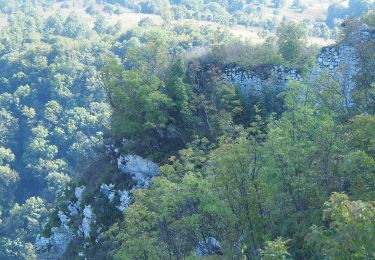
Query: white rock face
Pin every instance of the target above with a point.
(78, 193)
(125, 200)
(111, 196)
(107, 190)
(88, 218)
(64, 219)
(42, 243)
(141, 170)
(209, 247)
(73, 208)
(54, 246)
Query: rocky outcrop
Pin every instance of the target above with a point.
(109, 191)
(141, 170)
(73, 208)
(362, 34)
(82, 223)
(54, 246)
(64, 219)
(208, 247)
(330, 58)
(125, 200)
(339, 61)
(88, 218)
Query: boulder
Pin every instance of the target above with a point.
(208, 247)
(107, 190)
(88, 218)
(55, 245)
(141, 170)
(125, 200)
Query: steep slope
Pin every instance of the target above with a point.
(104, 192)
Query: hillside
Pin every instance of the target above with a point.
(189, 129)
(313, 12)
(125, 178)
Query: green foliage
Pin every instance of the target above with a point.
(351, 229)
(139, 105)
(260, 185)
(275, 249)
(247, 54)
(290, 40)
(154, 101)
(8, 177)
(6, 155)
(362, 135)
(247, 170)
(53, 111)
(74, 27)
(239, 183)
(267, 181)
(16, 249)
(28, 218)
(175, 216)
(370, 19)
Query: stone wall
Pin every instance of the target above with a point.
(255, 80)
(339, 61)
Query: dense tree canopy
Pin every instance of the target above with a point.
(280, 170)
(274, 188)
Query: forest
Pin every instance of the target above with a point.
(189, 129)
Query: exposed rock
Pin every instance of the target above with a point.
(363, 34)
(78, 193)
(73, 208)
(208, 247)
(42, 243)
(88, 218)
(341, 62)
(63, 219)
(107, 190)
(124, 200)
(140, 169)
(54, 246)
